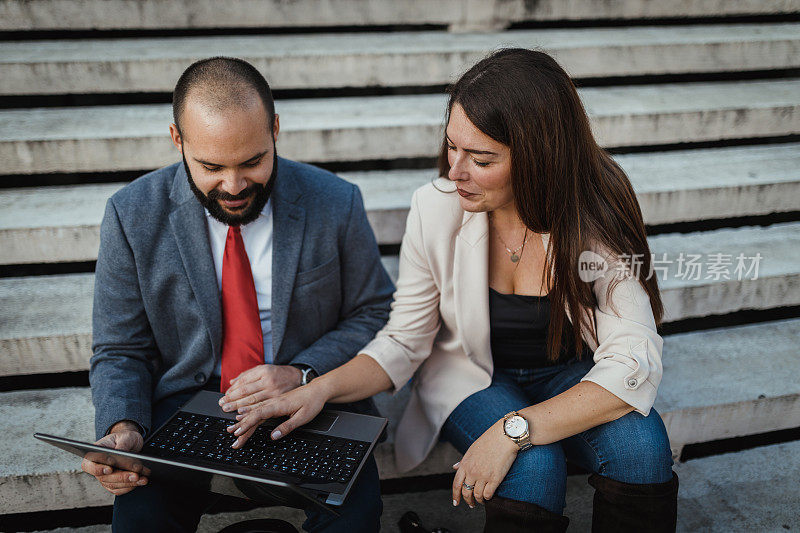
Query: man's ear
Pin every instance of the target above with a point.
(276, 126)
(175, 134)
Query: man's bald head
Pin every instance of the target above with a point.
(221, 83)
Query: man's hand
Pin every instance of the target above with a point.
(123, 436)
(260, 383)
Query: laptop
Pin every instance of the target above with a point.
(316, 464)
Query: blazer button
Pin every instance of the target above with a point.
(200, 377)
(632, 383)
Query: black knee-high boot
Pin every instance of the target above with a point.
(510, 516)
(621, 507)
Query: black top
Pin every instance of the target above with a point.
(519, 331)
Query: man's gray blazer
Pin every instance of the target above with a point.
(157, 325)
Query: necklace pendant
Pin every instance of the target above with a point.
(514, 258)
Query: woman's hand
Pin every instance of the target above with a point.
(258, 384)
(300, 405)
(484, 466)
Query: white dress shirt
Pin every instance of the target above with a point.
(257, 237)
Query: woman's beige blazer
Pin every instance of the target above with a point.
(439, 324)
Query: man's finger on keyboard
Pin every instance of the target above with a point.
(252, 399)
(234, 390)
(243, 398)
(251, 374)
(251, 388)
(242, 389)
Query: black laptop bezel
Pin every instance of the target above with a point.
(288, 490)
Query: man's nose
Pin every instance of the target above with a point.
(234, 182)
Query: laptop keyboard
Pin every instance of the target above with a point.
(305, 456)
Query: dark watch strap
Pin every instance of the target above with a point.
(308, 373)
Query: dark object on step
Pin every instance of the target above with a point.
(410, 523)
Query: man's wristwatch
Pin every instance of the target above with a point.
(308, 374)
(515, 428)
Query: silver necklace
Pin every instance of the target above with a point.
(513, 255)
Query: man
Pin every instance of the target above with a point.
(232, 264)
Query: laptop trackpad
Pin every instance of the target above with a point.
(206, 403)
(322, 422)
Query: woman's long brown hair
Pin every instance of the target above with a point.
(563, 182)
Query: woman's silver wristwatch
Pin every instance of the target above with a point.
(515, 428)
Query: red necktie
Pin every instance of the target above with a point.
(242, 340)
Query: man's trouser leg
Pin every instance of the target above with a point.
(361, 512)
(162, 506)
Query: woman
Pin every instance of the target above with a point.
(512, 275)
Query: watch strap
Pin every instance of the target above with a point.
(308, 373)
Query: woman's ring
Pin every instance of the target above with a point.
(468, 487)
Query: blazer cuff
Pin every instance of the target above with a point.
(316, 362)
(396, 365)
(139, 427)
(614, 376)
(103, 424)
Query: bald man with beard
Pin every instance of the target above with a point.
(294, 242)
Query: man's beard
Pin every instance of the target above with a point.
(260, 194)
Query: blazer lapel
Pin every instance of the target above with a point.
(289, 219)
(188, 223)
(471, 287)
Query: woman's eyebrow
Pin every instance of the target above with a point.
(471, 150)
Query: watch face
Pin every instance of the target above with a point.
(515, 427)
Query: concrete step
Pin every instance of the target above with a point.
(750, 490)
(58, 224)
(113, 138)
(32, 469)
(21, 15)
(48, 326)
(312, 61)
(730, 382)
(735, 269)
(61, 338)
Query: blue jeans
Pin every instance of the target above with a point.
(164, 506)
(631, 449)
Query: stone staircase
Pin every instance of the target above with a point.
(700, 100)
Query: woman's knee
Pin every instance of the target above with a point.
(538, 476)
(641, 451)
